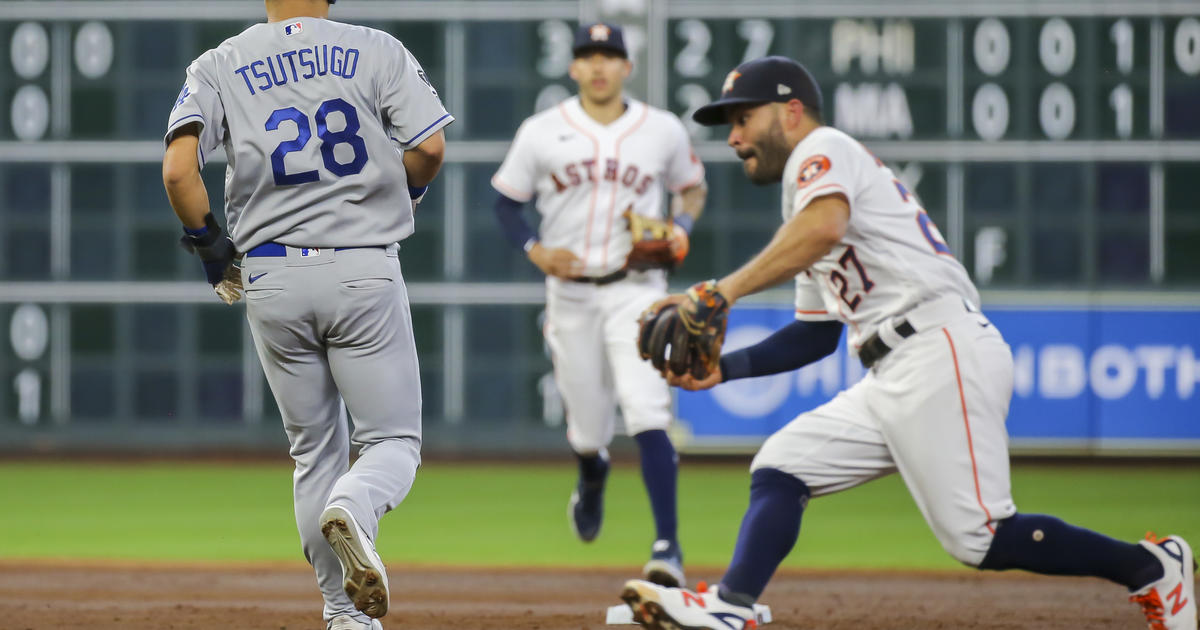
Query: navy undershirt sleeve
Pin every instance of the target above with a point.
(789, 348)
(516, 229)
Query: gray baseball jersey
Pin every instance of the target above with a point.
(308, 111)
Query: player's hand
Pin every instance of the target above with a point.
(679, 243)
(416, 194)
(215, 250)
(557, 262)
(693, 384)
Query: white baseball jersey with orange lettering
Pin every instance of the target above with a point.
(892, 256)
(584, 175)
(933, 409)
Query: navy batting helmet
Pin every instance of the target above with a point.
(763, 80)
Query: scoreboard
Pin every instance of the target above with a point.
(988, 79)
(1053, 149)
(1056, 144)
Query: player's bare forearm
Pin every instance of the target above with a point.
(422, 162)
(690, 201)
(181, 178)
(796, 246)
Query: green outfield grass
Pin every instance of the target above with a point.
(496, 515)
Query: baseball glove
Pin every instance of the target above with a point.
(652, 243)
(692, 325)
(229, 289)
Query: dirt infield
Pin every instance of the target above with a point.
(99, 596)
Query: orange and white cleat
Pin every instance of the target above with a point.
(1170, 602)
(663, 608)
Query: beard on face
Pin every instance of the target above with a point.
(772, 153)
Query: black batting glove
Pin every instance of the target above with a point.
(214, 248)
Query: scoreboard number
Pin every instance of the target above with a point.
(1187, 46)
(1121, 35)
(555, 60)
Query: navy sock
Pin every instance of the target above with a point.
(660, 467)
(1044, 544)
(769, 531)
(593, 468)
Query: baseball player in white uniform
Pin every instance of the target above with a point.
(309, 113)
(932, 406)
(585, 162)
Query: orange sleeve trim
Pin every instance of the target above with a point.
(692, 182)
(809, 196)
(509, 191)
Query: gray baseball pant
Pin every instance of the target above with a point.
(334, 334)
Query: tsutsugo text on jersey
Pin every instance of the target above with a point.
(316, 61)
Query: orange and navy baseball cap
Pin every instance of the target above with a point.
(764, 80)
(599, 36)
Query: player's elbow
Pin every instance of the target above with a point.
(827, 235)
(423, 161)
(433, 149)
(830, 218)
(176, 172)
(831, 334)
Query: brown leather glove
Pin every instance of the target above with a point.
(656, 244)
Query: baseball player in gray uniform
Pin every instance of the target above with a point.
(310, 113)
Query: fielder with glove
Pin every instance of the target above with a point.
(861, 251)
(596, 168)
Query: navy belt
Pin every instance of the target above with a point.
(603, 280)
(277, 250)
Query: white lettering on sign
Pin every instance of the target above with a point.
(1060, 371)
(1155, 359)
(1023, 359)
(872, 110)
(890, 46)
(1112, 371)
(1187, 372)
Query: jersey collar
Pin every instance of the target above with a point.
(573, 109)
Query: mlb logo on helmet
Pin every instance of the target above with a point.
(599, 33)
(293, 28)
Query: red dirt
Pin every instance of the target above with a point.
(128, 596)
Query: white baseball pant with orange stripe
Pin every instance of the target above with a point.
(933, 409)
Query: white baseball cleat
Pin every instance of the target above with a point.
(662, 608)
(363, 573)
(346, 622)
(1170, 602)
